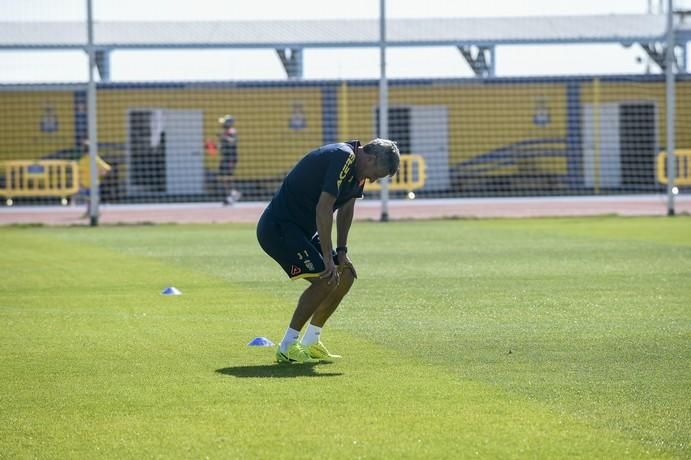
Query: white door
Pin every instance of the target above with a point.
(608, 150)
(429, 137)
(184, 152)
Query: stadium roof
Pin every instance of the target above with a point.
(625, 29)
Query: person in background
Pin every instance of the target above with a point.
(84, 166)
(228, 146)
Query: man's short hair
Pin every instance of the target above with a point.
(386, 152)
(226, 120)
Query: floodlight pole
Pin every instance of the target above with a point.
(91, 120)
(671, 102)
(383, 105)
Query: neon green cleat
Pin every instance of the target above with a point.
(318, 351)
(296, 353)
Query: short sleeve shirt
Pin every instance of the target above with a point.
(331, 169)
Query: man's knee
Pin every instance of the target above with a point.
(345, 281)
(323, 285)
(347, 277)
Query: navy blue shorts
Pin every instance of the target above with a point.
(299, 255)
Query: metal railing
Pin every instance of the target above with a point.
(683, 167)
(44, 178)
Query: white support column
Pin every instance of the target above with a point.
(103, 64)
(683, 63)
(291, 58)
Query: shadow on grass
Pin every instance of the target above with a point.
(278, 371)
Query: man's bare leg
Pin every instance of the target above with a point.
(310, 300)
(311, 339)
(329, 305)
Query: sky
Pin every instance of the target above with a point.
(45, 67)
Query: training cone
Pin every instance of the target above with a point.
(171, 291)
(260, 342)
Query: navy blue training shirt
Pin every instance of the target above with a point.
(330, 168)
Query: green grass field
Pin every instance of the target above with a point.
(535, 338)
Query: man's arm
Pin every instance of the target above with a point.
(344, 219)
(325, 217)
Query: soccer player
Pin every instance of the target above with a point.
(295, 230)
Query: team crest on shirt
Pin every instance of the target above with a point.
(295, 270)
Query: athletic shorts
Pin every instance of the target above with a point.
(299, 255)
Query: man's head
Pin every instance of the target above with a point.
(227, 121)
(380, 158)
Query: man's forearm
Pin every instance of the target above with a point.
(343, 221)
(324, 225)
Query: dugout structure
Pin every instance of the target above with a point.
(482, 136)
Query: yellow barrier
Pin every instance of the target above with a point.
(410, 175)
(683, 167)
(44, 178)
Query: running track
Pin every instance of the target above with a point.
(249, 212)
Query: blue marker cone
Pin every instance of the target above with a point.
(172, 290)
(260, 342)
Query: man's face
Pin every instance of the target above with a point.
(370, 170)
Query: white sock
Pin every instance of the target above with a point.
(311, 335)
(290, 337)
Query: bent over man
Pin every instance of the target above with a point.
(295, 230)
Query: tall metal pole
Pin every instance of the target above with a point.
(91, 120)
(383, 104)
(671, 102)
(596, 136)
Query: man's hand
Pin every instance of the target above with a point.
(345, 262)
(330, 272)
